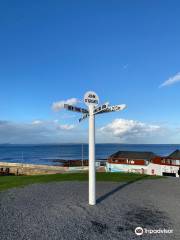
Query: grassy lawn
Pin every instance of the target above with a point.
(7, 182)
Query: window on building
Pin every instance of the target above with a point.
(163, 161)
(167, 161)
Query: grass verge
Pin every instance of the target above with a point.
(7, 182)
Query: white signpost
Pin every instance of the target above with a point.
(91, 99)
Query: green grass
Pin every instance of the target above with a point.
(7, 182)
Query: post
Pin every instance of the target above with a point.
(82, 155)
(92, 167)
(91, 100)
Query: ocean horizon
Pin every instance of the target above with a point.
(49, 153)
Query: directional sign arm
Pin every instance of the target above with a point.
(105, 108)
(101, 108)
(84, 117)
(115, 108)
(96, 110)
(75, 109)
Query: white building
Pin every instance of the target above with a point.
(144, 163)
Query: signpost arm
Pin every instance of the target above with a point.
(92, 167)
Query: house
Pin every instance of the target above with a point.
(129, 161)
(144, 162)
(175, 155)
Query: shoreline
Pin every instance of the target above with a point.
(31, 169)
(36, 169)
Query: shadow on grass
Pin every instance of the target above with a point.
(102, 198)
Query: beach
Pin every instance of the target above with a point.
(61, 210)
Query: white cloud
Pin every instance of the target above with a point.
(131, 130)
(172, 80)
(35, 132)
(52, 123)
(66, 127)
(37, 122)
(56, 106)
(117, 131)
(44, 122)
(56, 121)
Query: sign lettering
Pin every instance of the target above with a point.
(91, 99)
(75, 109)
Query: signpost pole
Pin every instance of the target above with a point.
(92, 167)
(91, 99)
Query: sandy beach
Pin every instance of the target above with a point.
(60, 210)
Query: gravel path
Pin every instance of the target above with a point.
(60, 211)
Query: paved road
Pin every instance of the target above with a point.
(60, 211)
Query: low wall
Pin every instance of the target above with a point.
(33, 169)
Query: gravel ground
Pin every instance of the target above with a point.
(60, 211)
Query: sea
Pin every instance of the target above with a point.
(49, 154)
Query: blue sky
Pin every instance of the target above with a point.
(125, 50)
